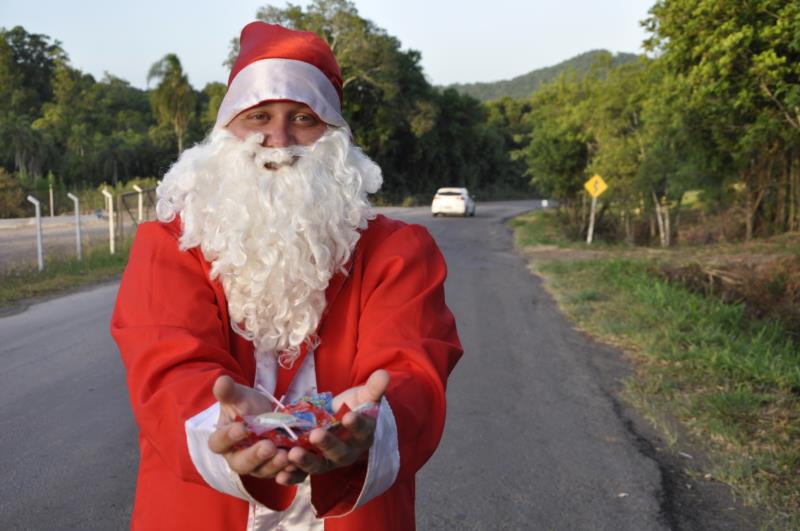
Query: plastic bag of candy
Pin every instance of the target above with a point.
(290, 425)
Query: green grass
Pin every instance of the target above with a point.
(61, 273)
(732, 381)
(538, 228)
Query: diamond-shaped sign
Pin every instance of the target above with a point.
(595, 186)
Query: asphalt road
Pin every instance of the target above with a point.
(534, 439)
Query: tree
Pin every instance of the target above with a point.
(739, 62)
(558, 150)
(618, 146)
(173, 100)
(507, 118)
(11, 196)
(27, 62)
(34, 59)
(211, 98)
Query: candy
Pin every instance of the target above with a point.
(290, 425)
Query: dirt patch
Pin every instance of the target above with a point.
(553, 252)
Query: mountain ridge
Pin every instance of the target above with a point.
(524, 85)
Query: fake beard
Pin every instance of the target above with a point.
(274, 237)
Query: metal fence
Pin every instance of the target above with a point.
(133, 208)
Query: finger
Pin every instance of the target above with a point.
(360, 427)
(349, 397)
(224, 439)
(252, 459)
(225, 390)
(375, 388)
(287, 478)
(332, 447)
(372, 391)
(278, 462)
(308, 462)
(239, 399)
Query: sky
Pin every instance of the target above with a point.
(461, 41)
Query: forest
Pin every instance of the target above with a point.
(703, 130)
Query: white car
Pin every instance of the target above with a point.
(453, 201)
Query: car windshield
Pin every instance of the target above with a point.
(448, 192)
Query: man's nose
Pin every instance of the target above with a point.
(278, 134)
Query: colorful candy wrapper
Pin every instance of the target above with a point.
(290, 425)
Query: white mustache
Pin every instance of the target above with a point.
(273, 158)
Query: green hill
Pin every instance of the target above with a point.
(522, 86)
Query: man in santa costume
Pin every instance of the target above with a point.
(268, 273)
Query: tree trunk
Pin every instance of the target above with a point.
(794, 192)
(754, 194)
(676, 225)
(651, 221)
(781, 199)
(19, 160)
(584, 213)
(663, 238)
(626, 221)
(179, 136)
(748, 217)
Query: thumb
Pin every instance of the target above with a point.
(238, 398)
(226, 391)
(375, 388)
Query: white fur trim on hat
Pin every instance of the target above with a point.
(281, 79)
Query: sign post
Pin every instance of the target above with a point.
(595, 186)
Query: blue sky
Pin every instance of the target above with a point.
(460, 41)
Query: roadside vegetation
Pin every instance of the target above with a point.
(713, 339)
(61, 273)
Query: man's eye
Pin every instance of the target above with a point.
(304, 119)
(258, 116)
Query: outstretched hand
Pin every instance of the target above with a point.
(345, 447)
(261, 460)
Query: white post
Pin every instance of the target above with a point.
(110, 203)
(52, 211)
(591, 220)
(76, 201)
(544, 203)
(138, 189)
(39, 253)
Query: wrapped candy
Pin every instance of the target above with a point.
(289, 425)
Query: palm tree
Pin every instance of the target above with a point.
(173, 100)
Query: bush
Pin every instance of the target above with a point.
(12, 196)
(769, 289)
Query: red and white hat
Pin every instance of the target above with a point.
(276, 63)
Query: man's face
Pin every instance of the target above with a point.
(283, 124)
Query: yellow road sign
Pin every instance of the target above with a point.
(595, 186)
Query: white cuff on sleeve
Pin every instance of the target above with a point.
(383, 463)
(212, 467)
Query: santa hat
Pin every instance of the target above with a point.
(276, 63)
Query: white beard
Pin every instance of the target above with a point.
(274, 238)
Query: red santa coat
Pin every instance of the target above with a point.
(172, 327)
